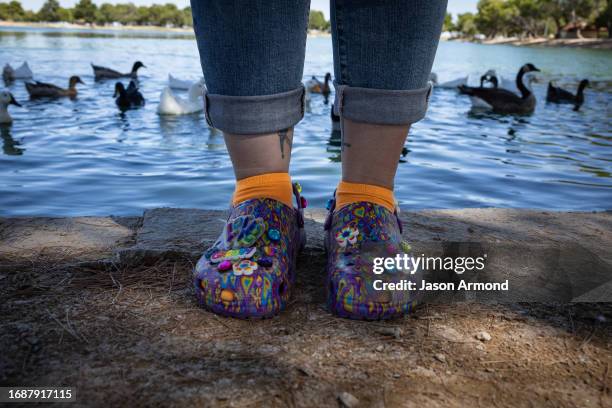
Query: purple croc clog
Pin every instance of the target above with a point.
(356, 235)
(250, 270)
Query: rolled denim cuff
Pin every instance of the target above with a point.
(381, 106)
(252, 115)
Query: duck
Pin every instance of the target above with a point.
(170, 104)
(43, 90)
(128, 98)
(556, 94)
(107, 73)
(183, 84)
(23, 72)
(6, 99)
(433, 78)
(313, 85)
(502, 100)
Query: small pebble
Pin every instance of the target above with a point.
(390, 331)
(483, 336)
(348, 400)
(380, 348)
(396, 375)
(440, 357)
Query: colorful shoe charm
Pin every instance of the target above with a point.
(355, 235)
(250, 271)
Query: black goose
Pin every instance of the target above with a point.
(107, 73)
(502, 100)
(128, 98)
(491, 77)
(559, 95)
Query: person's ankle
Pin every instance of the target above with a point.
(276, 186)
(348, 193)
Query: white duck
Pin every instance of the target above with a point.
(176, 83)
(170, 104)
(6, 99)
(23, 72)
(449, 84)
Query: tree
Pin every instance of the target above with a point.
(106, 14)
(187, 17)
(494, 17)
(316, 21)
(604, 19)
(12, 11)
(448, 23)
(142, 16)
(564, 12)
(125, 14)
(86, 10)
(50, 11)
(466, 24)
(528, 17)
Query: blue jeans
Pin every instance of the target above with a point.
(252, 54)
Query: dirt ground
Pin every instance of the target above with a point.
(136, 337)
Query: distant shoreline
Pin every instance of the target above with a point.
(587, 43)
(136, 28)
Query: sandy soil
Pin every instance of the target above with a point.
(136, 337)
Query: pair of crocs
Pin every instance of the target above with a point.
(250, 270)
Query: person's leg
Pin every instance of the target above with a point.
(252, 54)
(383, 54)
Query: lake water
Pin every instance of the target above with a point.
(84, 157)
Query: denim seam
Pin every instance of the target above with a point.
(342, 46)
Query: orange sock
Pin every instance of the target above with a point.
(348, 193)
(276, 186)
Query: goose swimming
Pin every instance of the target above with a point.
(22, 72)
(490, 76)
(559, 95)
(128, 98)
(44, 90)
(502, 100)
(497, 81)
(6, 99)
(170, 104)
(313, 85)
(107, 73)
